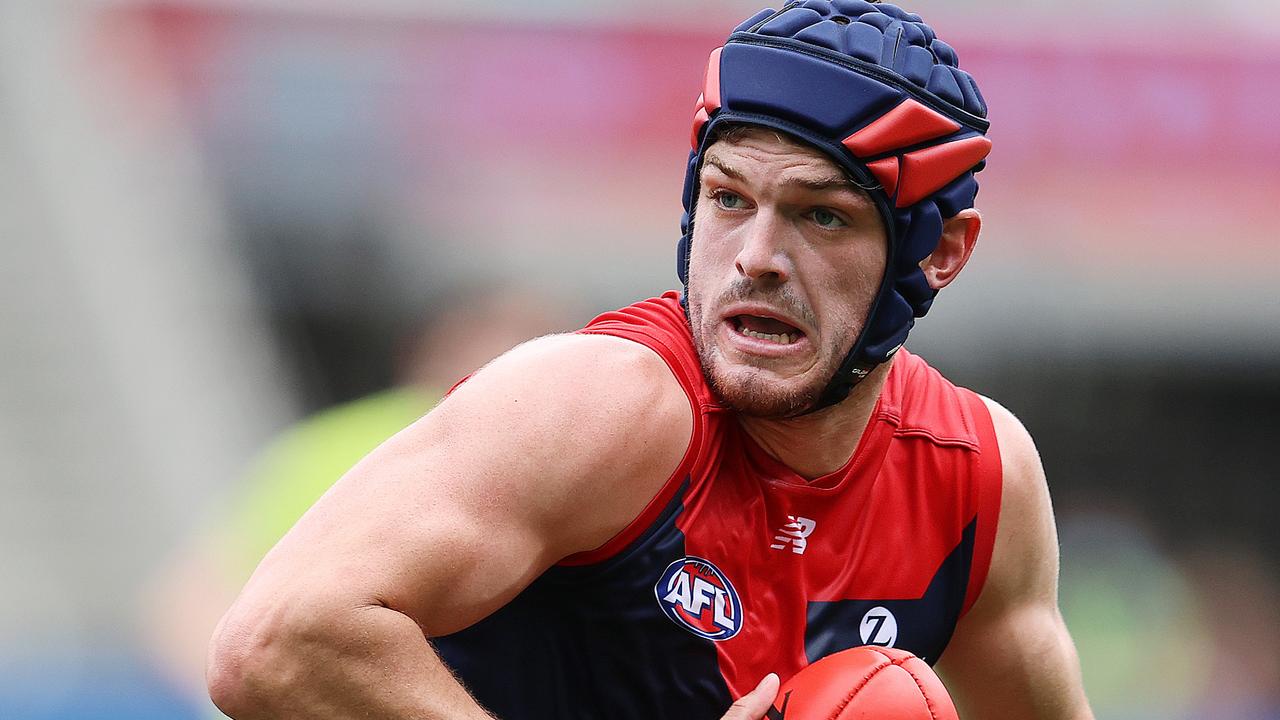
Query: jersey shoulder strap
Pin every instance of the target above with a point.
(926, 406)
(660, 325)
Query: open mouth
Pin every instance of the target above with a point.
(767, 329)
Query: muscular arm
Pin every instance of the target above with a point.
(550, 450)
(1011, 655)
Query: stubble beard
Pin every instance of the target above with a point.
(749, 390)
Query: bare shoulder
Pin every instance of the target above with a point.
(583, 391)
(581, 427)
(1025, 557)
(575, 364)
(1018, 452)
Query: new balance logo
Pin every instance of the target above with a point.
(794, 534)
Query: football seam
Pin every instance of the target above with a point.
(857, 688)
(928, 703)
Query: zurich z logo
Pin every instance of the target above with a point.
(698, 597)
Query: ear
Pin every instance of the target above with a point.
(959, 237)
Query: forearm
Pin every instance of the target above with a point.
(364, 662)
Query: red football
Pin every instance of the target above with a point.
(865, 683)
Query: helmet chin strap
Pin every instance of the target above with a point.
(851, 373)
(853, 370)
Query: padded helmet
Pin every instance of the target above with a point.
(873, 87)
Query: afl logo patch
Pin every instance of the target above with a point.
(699, 598)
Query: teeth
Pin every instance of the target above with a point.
(780, 338)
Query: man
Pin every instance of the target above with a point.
(671, 508)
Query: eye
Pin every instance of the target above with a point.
(729, 200)
(827, 219)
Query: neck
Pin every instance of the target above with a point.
(822, 442)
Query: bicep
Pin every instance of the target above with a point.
(1011, 655)
(529, 461)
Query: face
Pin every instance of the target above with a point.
(787, 256)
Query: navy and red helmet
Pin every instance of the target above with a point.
(873, 87)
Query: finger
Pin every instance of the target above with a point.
(756, 703)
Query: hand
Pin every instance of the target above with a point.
(755, 704)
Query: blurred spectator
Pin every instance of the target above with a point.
(1165, 635)
(1240, 590)
(1135, 618)
(198, 583)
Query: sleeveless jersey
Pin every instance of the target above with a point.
(739, 567)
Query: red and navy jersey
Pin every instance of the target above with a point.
(740, 567)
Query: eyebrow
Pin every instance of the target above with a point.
(820, 183)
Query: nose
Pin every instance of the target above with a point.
(762, 256)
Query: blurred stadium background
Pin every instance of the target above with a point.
(220, 216)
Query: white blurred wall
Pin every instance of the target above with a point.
(135, 375)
